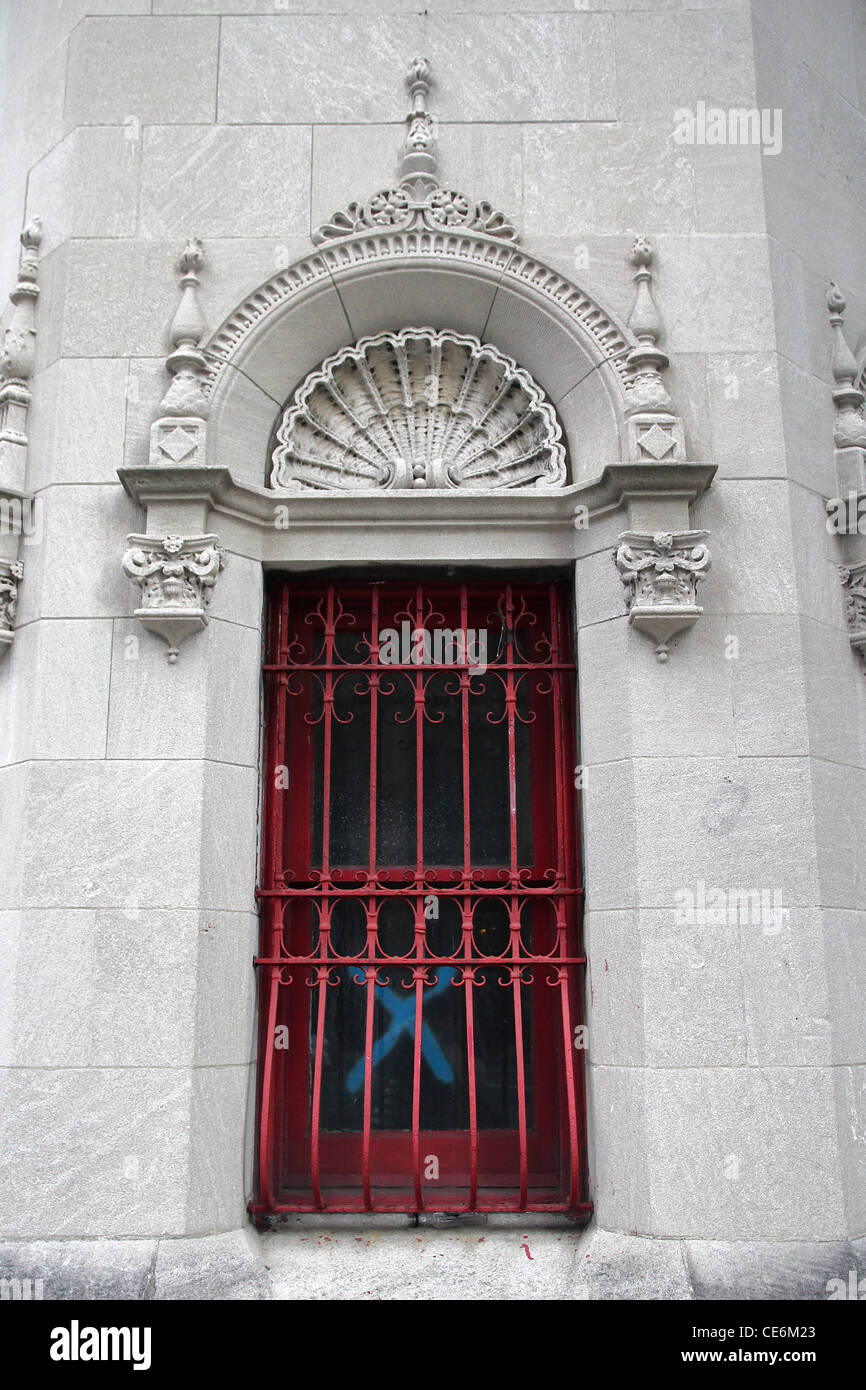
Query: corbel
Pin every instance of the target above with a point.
(176, 563)
(16, 369)
(846, 513)
(660, 558)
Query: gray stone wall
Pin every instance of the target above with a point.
(726, 1061)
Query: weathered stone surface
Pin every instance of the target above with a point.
(788, 1270)
(229, 1266)
(185, 173)
(150, 70)
(82, 1269)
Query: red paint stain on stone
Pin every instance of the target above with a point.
(525, 1247)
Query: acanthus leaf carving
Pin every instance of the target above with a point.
(176, 576)
(661, 571)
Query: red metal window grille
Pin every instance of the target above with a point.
(420, 967)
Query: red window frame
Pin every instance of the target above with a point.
(539, 1163)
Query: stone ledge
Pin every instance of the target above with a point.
(339, 1259)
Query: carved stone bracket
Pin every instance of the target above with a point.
(853, 579)
(661, 572)
(10, 572)
(16, 368)
(176, 576)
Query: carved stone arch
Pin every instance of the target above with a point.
(573, 348)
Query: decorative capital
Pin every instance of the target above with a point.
(647, 391)
(661, 571)
(853, 579)
(418, 201)
(187, 365)
(10, 573)
(850, 426)
(176, 576)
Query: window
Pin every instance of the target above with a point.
(421, 966)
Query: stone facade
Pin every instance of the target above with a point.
(553, 196)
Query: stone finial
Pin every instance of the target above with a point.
(418, 202)
(850, 426)
(187, 365)
(16, 362)
(418, 160)
(646, 361)
(176, 575)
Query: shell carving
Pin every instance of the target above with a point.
(419, 409)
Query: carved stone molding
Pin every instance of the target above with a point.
(16, 368)
(661, 573)
(419, 409)
(849, 437)
(418, 201)
(10, 572)
(176, 576)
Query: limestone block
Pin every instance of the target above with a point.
(76, 422)
(13, 791)
(610, 837)
(605, 177)
(807, 420)
(220, 1099)
(32, 108)
(734, 824)
(207, 706)
(817, 556)
(614, 994)
(257, 54)
(80, 1269)
(749, 1153)
(239, 598)
(851, 1119)
(845, 945)
(94, 830)
(729, 189)
(670, 60)
(620, 1157)
(226, 989)
(824, 36)
(154, 70)
(829, 673)
(839, 802)
(229, 837)
(74, 571)
(47, 986)
(228, 1266)
(225, 181)
(750, 528)
(87, 185)
(763, 1270)
(767, 685)
(144, 987)
(692, 993)
(746, 416)
(729, 278)
(788, 1018)
(94, 1151)
(67, 665)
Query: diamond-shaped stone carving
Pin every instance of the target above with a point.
(657, 442)
(177, 444)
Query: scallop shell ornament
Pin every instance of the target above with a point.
(419, 409)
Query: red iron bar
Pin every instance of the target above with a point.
(421, 965)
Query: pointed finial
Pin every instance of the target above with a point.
(16, 360)
(647, 360)
(418, 160)
(850, 427)
(188, 367)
